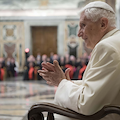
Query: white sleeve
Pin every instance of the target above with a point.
(78, 82)
(100, 83)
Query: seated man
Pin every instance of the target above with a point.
(100, 84)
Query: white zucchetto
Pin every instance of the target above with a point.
(99, 4)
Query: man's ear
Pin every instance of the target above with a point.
(104, 23)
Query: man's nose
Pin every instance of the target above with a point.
(80, 33)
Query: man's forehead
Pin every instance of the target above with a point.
(83, 18)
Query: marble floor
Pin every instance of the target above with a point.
(17, 96)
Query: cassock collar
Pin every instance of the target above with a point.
(110, 33)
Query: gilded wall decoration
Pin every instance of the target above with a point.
(9, 50)
(72, 29)
(72, 43)
(9, 32)
(12, 41)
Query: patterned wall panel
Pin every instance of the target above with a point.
(9, 50)
(72, 44)
(12, 41)
(72, 29)
(9, 32)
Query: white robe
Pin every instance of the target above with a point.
(101, 81)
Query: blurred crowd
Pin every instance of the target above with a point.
(8, 68)
(77, 65)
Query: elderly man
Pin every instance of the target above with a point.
(101, 81)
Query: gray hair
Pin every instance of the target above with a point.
(94, 14)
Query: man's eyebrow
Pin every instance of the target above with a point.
(81, 23)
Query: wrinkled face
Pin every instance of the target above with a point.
(89, 31)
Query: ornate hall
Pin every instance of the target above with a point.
(31, 32)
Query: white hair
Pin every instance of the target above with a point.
(94, 14)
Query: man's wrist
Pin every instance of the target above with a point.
(62, 82)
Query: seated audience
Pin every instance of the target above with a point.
(82, 69)
(1, 72)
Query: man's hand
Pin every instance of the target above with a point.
(52, 73)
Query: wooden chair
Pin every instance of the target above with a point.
(35, 113)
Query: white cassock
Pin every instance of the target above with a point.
(101, 81)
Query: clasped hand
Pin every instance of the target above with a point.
(53, 73)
